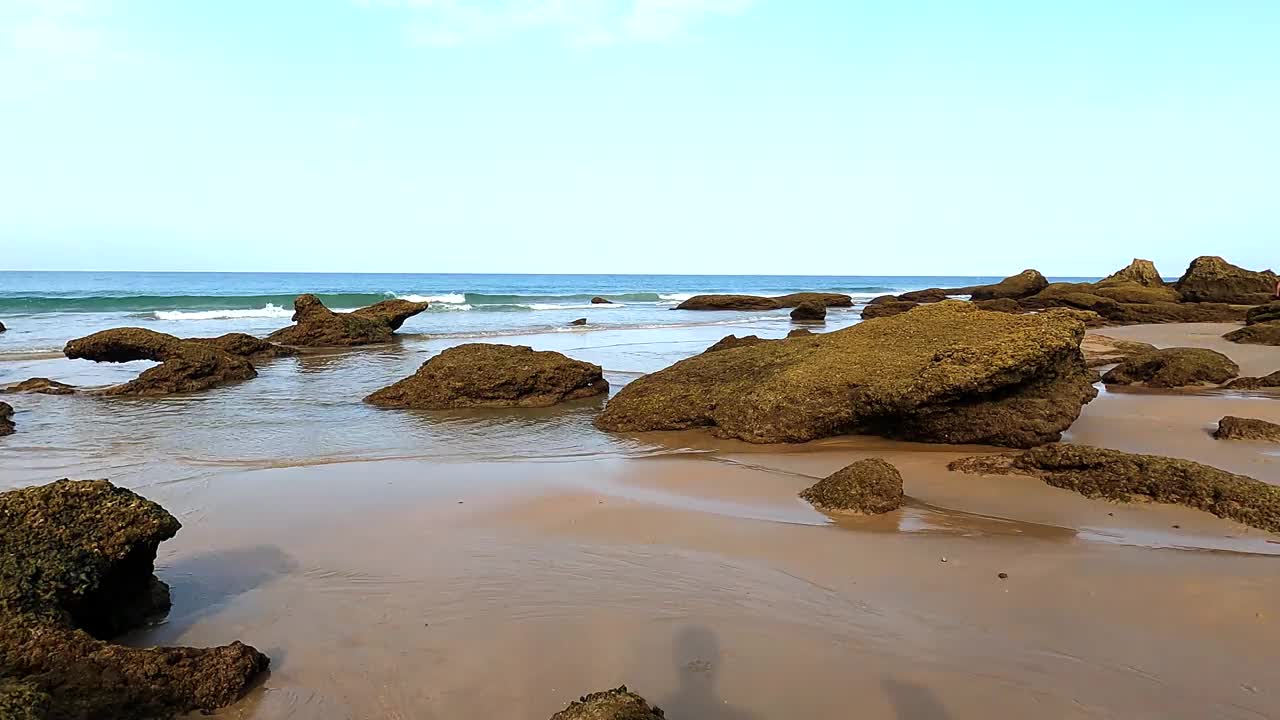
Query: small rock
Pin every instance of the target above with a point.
(601, 301)
(1003, 576)
(866, 487)
(579, 321)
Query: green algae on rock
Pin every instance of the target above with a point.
(756, 302)
(733, 341)
(1259, 333)
(185, 366)
(1263, 313)
(616, 704)
(1102, 350)
(1026, 283)
(317, 326)
(1211, 279)
(1238, 428)
(1255, 383)
(41, 386)
(1125, 477)
(246, 346)
(866, 487)
(1141, 272)
(492, 375)
(1172, 368)
(945, 372)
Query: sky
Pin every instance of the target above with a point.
(638, 136)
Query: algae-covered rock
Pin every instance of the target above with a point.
(77, 570)
(1255, 383)
(733, 341)
(945, 372)
(809, 311)
(1173, 367)
(866, 487)
(1260, 333)
(41, 386)
(489, 375)
(616, 704)
(887, 309)
(1125, 477)
(1084, 296)
(1238, 428)
(6, 419)
(1008, 305)
(1089, 318)
(246, 346)
(797, 332)
(1141, 272)
(1211, 279)
(1130, 292)
(185, 366)
(754, 302)
(317, 326)
(1263, 313)
(928, 295)
(22, 700)
(1024, 284)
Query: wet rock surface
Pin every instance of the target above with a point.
(246, 346)
(185, 366)
(601, 301)
(755, 302)
(41, 386)
(7, 426)
(317, 326)
(1128, 477)
(1238, 428)
(78, 570)
(809, 311)
(946, 372)
(1260, 333)
(1172, 368)
(492, 375)
(616, 704)
(1255, 383)
(1212, 279)
(866, 487)
(733, 341)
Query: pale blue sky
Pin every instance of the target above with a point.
(686, 136)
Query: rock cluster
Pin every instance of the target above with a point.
(1238, 428)
(317, 326)
(6, 419)
(755, 302)
(1173, 367)
(866, 487)
(1125, 477)
(77, 571)
(616, 704)
(489, 375)
(948, 372)
(809, 311)
(185, 365)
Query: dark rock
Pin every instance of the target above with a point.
(946, 372)
(6, 419)
(733, 341)
(1263, 313)
(1003, 576)
(601, 301)
(754, 302)
(1006, 305)
(798, 332)
(930, 295)
(1238, 428)
(579, 321)
(77, 570)
(42, 386)
(825, 299)
(617, 704)
(1141, 272)
(809, 311)
(185, 366)
(489, 375)
(1173, 367)
(3, 328)
(1255, 383)
(1102, 350)
(887, 309)
(246, 346)
(1212, 279)
(867, 487)
(1125, 477)
(318, 326)
(1024, 284)
(1262, 333)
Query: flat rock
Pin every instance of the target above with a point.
(491, 375)
(929, 295)
(945, 372)
(1238, 428)
(1141, 272)
(1084, 296)
(1173, 367)
(78, 570)
(41, 386)
(1127, 477)
(317, 326)
(616, 704)
(1261, 333)
(755, 302)
(1211, 279)
(809, 311)
(1255, 383)
(6, 419)
(185, 366)
(866, 487)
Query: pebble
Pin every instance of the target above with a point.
(1003, 576)
(944, 559)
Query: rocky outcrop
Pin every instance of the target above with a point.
(1102, 350)
(77, 571)
(488, 375)
(929, 295)
(1255, 383)
(798, 332)
(1089, 318)
(185, 366)
(755, 302)
(1126, 477)
(866, 487)
(1172, 368)
(601, 301)
(246, 346)
(318, 326)
(946, 372)
(617, 704)
(1024, 284)
(1238, 428)
(733, 341)
(1263, 313)
(1084, 296)
(809, 311)
(1140, 272)
(1260, 333)
(6, 419)
(887, 309)
(41, 386)
(3, 328)
(1212, 279)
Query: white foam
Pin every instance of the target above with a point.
(454, 308)
(451, 298)
(677, 297)
(269, 311)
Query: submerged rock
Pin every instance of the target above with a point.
(601, 301)
(809, 311)
(1141, 272)
(616, 704)
(755, 302)
(1173, 367)
(42, 386)
(1125, 477)
(733, 341)
(489, 375)
(1211, 279)
(2, 327)
(946, 372)
(1255, 383)
(579, 322)
(1024, 284)
(318, 326)
(866, 487)
(1238, 428)
(6, 419)
(1261, 333)
(78, 570)
(185, 366)
(246, 346)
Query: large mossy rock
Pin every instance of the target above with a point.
(1024, 284)
(77, 569)
(1263, 313)
(1211, 279)
(1141, 272)
(6, 419)
(809, 311)
(1255, 383)
(1259, 333)
(616, 704)
(755, 302)
(866, 487)
(185, 366)
(490, 375)
(1238, 428)
(246, 346)
(1172, 368)
(1085, 296)
(1126, 477)
(317, 326)
(944, 372)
